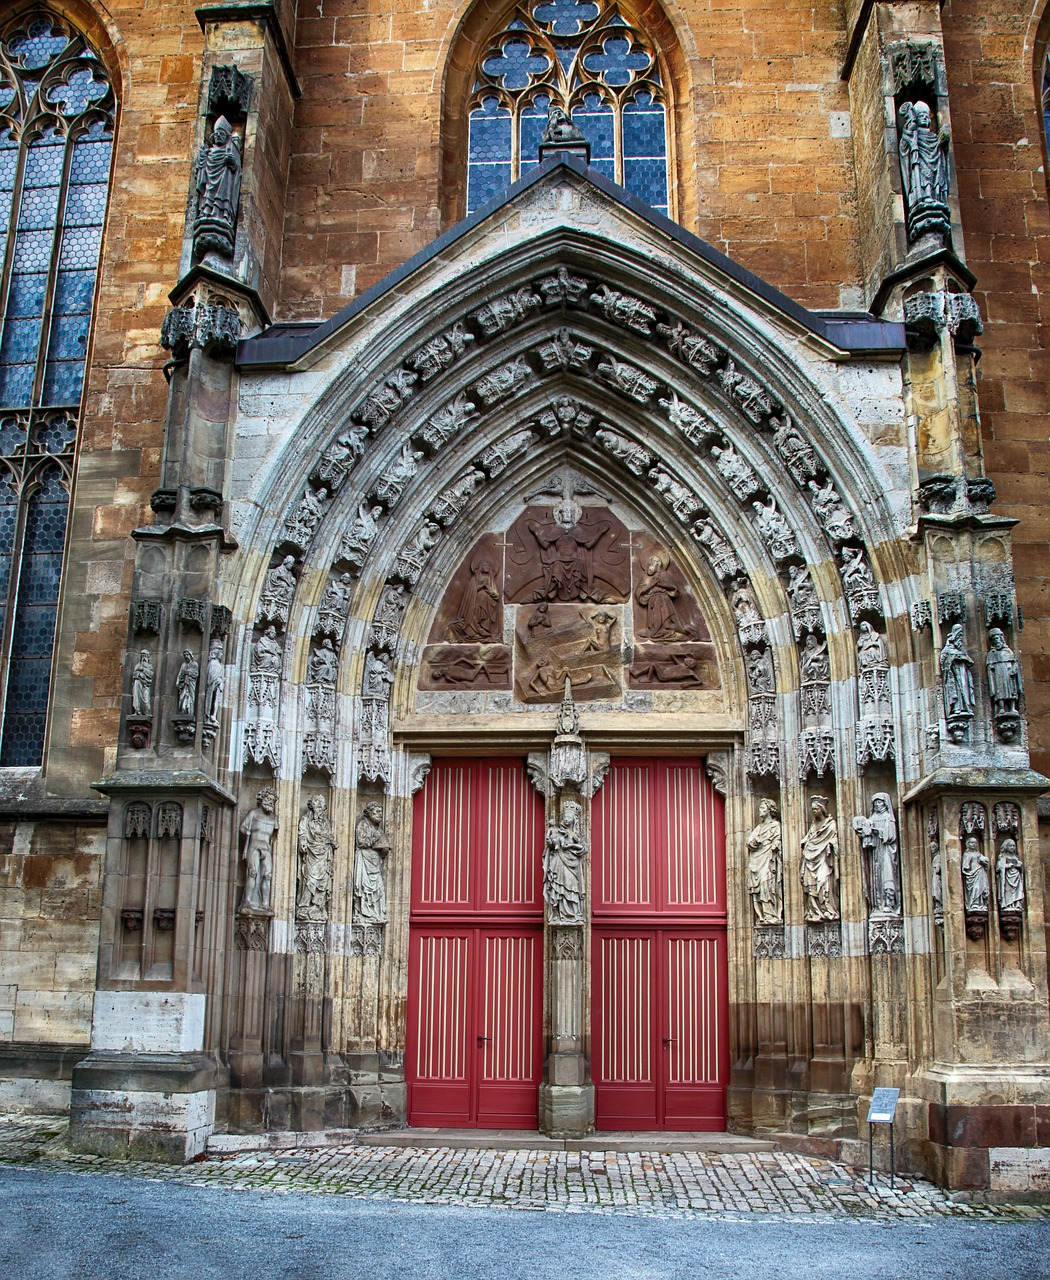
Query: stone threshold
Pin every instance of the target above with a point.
(490, 1140)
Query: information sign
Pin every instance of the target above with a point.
(883, 1106)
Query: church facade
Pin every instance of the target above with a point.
(524, 535)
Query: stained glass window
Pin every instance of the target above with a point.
(56, 137)
(587, 59)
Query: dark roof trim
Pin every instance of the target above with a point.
(851, 331)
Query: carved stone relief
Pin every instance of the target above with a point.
(587, 560)
(466, 666)
(560, 642)
(339, 458)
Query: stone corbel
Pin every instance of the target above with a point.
(930, 314)
(210, 327)
(229, 93)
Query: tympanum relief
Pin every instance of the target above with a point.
(569, 594)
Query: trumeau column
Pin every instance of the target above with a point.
(151, 1082)
(568, 775)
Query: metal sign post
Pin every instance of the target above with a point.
(882, 1111)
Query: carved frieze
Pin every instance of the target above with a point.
(466, 666)
(682, 502)
(691, 348)
(147, 617)
(449, 504)
(301, 523)
(278, 589)
(379, 407)
(391, 484)
(921, 616)
(504, 312)
(719, 551)
(504, 381)
(436, 355)
(824, 940)
(735, 471)
(628, 380)
(693, 425)
(767, 942)
(796, 451)
(229, 92)
(360, 534)
(624, 310)
(858, 583)
(496, 458)
(339, 459)
(805, 604)
(750, 397)
(389, 614)
(563, 288)
(449, 421)
(585, 560)
(366, 940)
(775, 530)
(565, 353)
(252, 933)
(414, 553)
(885, 936)
(632, 455)
(559, 642)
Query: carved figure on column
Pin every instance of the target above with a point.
(1010, 892)
(559, 127)
(340, 456)
(316, 850)
(976, 888)
(371, 848)
(259, 828)
(563, 855)
(1005, 686)
(775, 529)
(218, 184)
(214, 683)
(277, 593)
(301, 525)
(265, 670)
(880, 854)
(820, 864)
(873, 667)
(334, 607)
(186, 684)
(142, 685)
(937, 881)
(765, 865)
(957, 683)
(924, 171)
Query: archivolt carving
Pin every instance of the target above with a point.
(698, 356)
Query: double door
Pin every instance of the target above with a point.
(475, 1004)
(659, 1043)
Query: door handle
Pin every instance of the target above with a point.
(482, 1040)
(670, 1040)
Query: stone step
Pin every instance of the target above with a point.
(489, 1140)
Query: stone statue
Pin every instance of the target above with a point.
(316, 849)
(761, 678)
(334, 607)
(186, 684)
(559, 127)
(814, 659)
(301, 525)
(214, 682)
(277, 593)
(856, 572)
(218, 184)
(1009, 877)
(323, 665)
(1005, 687)
(881, 854)
(259, 828)
(924, 171)
(976, 886)
(266, 654)
(142, 685)
(957, 681)
(563, 855)
(371, 848)
(765, 866)
(478, 615)
(820, 864)
(338, 459)
(656, 594)
(801, 590)
(377, 678)
(937, 881)
(836, 520)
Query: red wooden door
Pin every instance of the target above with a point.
(476, 948)
(660, 983)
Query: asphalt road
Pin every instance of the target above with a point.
(55, 1226)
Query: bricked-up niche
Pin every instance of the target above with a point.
(56, 133)
(553, 69)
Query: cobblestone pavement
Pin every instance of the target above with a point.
(765, 1185)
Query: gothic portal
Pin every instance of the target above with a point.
(567, 683)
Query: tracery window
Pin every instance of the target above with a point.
(56, 136)
(585, 57)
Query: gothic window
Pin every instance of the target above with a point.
(588, 59)
(56, 137)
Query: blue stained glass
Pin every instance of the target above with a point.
(39, 206)
(80, 89)
(8, 519)
(38, 44)
(565, 17)
(80, 247)
(567, 54)
(616, 61)
(34, 630)
(85, 203)
(488, 171)
(7, 95)
(74, 292)
(44, 161)
(33, 250)
(595, 120)
(90, 161)
(12, 437)
(516, 64)
(63, 381)
(21, 340)
(647, 179)
(8, 160)
(35, 633)
(644, 135)
(26, 295)
(16, 384)
(69, 335)
(56, 434)
(532, 122)
(485, 182)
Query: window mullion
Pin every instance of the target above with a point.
(52, 269)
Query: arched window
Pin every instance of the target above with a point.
(585, 57)
(56, 138)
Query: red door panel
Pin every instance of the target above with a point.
(660, 983)
(475, 1004)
